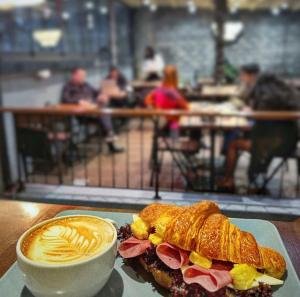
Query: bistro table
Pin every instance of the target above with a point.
(16, 217)
(212, 93)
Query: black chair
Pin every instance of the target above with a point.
(270, 139)
(182, 150)
(39, 141)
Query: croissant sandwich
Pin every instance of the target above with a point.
(196, 251)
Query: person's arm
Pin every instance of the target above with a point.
(65, 97)
(149, 100)
(94, 93)
(182, 103)
(122, 82)
(160, 63)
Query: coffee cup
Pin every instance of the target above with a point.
(71, 256)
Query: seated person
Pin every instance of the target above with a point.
(120, 96)
(167, 97)
(248, 76)
(153, 65)
(78, 91)
(267, 94)
(116, 75)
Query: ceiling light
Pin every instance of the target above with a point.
(11, 4)
(89, 5)
(46, 12)
(65, 16)
(275, 11)
(103, 9)
(146, 2)
(284, 5)
(232, 30)
(153, 7)
(192, 9)
(90, 22)
(234, 9)
(48, 37)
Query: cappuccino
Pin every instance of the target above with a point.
(68, 240)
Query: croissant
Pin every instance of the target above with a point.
(202, 228)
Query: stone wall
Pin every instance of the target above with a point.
(187, 40)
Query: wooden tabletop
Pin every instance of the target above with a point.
(16, 217)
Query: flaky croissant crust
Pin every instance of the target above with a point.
(202, 228)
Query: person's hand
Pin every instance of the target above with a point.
(103, 98)
(86, 103)
(83, 102)
(120, 95)
(247, 108)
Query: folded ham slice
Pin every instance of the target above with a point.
(133, 247)
(210, 279)
(172, 256)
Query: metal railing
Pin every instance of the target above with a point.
(67, 146)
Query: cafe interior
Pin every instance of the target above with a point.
(109, 106)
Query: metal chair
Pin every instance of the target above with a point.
(270, 139)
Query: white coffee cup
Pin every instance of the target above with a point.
(80, 279)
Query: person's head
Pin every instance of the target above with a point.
(149, 53)
(249, 74)
(273, 93)
(78, 76)
(170, 78)
(114, 72)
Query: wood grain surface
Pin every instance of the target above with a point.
(16, 217)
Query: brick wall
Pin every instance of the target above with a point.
(186, 40)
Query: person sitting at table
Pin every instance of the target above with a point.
(249, 74)
(153, 65)
(120, 99)
(268, 93)
(116, 75)
(167, 97)
(78, 91)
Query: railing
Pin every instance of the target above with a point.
(65, 145)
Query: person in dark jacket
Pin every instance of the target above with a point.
(78, 91)
(269, 93)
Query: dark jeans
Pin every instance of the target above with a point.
(106, 124)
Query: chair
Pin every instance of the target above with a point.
(270, 139)
(182, 151)
(39, 140)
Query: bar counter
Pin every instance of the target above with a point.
(16, 217)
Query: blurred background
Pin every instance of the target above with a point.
(47, 140)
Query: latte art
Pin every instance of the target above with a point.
(68, 240)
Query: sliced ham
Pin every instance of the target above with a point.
(133, 247)
(210, 279)
(172, 256)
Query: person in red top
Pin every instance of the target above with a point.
(168, 97)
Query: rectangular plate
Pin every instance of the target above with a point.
(124, 281)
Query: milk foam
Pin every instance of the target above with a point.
(68, 240)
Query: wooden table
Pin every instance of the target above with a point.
(141, 84)
(211, 93)
(16, 217)
(220, 91)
